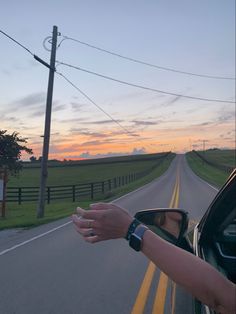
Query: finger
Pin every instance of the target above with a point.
(85, 232)
(80, 211)
(93, 239)
(92, 214)
(82, 223)
(100, 206)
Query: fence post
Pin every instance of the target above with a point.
(49, 194)
(19, 196)
(103, 189)
(114, 183)
(109, 184)
(73, 193)
(91, 190)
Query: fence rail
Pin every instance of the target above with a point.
(76, 192)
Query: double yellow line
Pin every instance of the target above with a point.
(159, 302)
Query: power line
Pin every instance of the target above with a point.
(93, 102)
(17, 42)
(100, 108)
(146, 63)
(144, 87)
(25, 48)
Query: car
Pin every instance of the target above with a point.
(213, 239)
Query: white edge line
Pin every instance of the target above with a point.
(214, 188)
(34, 238)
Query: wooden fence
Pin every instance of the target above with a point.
(77, 191)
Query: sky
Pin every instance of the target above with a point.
(185, 35)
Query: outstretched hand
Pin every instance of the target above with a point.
(103, 221)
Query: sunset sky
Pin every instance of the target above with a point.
(190, 36)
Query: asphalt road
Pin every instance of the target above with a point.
(49, 269)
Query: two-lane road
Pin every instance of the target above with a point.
(49, 269)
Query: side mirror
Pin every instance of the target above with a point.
(169, 224)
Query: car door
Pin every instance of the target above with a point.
(215, 235)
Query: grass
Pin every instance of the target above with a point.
(81, 173)
(221, 157)
(206, 172)
(24, 215)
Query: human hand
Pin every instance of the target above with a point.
(103, 221)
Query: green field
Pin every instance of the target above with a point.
(210, 173)
(24, 215)
(81, 172)
(221, 157)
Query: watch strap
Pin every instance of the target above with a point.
(136, 238)
(131, 228)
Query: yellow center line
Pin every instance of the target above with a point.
(142, 296)
(173, 294)
(159, 303)
(144, 290)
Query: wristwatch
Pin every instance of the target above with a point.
(136, 237)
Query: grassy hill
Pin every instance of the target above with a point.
(212, 173)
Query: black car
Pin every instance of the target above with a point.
(213, 239)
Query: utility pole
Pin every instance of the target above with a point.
(47, 127)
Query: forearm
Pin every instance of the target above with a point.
(195, 275)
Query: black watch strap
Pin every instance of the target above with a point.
(132, 227)
(136, 238)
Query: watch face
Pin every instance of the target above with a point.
(135, 242)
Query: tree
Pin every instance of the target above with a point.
(11, 148)
(33, 159)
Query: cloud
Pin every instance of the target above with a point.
(136, 122)
(38, 113)
(58, 108)
(94, 143)
(73, 120)
(75, 105)
(8, 119)
(206, 123)
(171, 101)
(102, 122)
(31, 100)
(142, 122)
(226, 116)
(138, 151)
(88, 133)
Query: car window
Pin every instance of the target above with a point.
(226, 248)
